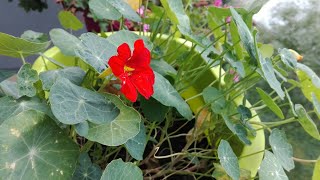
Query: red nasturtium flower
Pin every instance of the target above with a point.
(133, 70)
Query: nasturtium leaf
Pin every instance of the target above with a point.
(175, 12)
(270, 77)
(125, 10)
(66, 42)
(316, 104)
(136, 145)
(216, 98)
(128, 37)
(245, 34)
(316, 170)
(270, 103)
(5, 74)
(307, 85)
(312, 75)
(10, 107)
(72, 104)
(153, 110)
(270, 168)
(220, 174)
(73, 74)
(32, 146)
(228, 160)
(9, 88)
(26, 79)
(207, 51)
(266, 50)
(34, 36)
(245, 115)
(167, 95)
(117, 169)
(288, 58)
(82, 128)
(238, 129)
(102, 9)
(162, 67)
(17, 47)
(306, 122)
(86, 170)
(281, 148)
(69, 21)
(124, 127)
(95, 51)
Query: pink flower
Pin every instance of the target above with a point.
(217, 3)
(146, 27)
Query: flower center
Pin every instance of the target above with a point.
(128, 69)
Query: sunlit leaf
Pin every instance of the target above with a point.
(266, 50)
(307, 85)
(95, 51)
(270, 168)
(17, 47)
(306, 122)
(32, 146)
(72, 104)
(117, 169)
(66, 42)
(69, 21)
(316, 104)
(35, 36)
(312, 75)
(167, 95)
(270, 103)
(136, 145)
(124, 127)
(73, 74)
(86, 170)
(26, 79)
(281, 148)
(228, 159)
(10, 107)
(316, 171)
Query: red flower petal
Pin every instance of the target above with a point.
(128, 89)
(124, 52)
(143, 81)
(117, 65)
(140, 57)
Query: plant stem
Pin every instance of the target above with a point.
(304, 160)
(53, 61)
(22, 59)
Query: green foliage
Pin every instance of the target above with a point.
(18, 47)
(136, 145)
(86, 170)
(33, 36)
(72, 104)
(316, 171)
(270, 103)
(306, 122)
(215, 98)
(69, 21)
(228, 159)
(26, 80)
(270, 168)
(4, 74)
(120, 170)
(33, 146)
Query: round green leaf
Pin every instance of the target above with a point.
(26, 79)
(10, 107)
(117, 169)
(306, 122)
(270, 103)
(118, 131)
(216, 98)
(69, 21)
(86, 170)
(228, 160)
(153, 110)
(72, 104)
(136, 145)
(66, 42)
(95, 51)
(34, 36)
(270, 168)
(167, 95)
(308, 81)
(17, 47)
(281, 149)
(126, 11)
(32, 146)
(74, 74)
(128, 37)
(102, 9)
